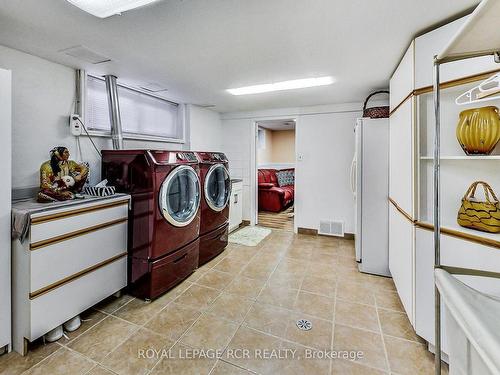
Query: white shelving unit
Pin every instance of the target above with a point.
(458, 170)
(411, 211)
(479, 36)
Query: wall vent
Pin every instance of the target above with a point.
(331, 228)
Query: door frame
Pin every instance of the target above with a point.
(254, 191)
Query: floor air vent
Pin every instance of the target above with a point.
(331, 228)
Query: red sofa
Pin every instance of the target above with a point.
(272, 197)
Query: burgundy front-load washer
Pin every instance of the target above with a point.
(164, 219)
(216, 192)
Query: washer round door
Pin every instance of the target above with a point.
(217, 187)
(180, 196)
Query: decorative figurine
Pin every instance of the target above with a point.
(61, 178)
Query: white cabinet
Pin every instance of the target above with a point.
(411, 248)
(402, 81)
(401, 147)
(401, 258)
(74, 256)
(236, 205)
(457, 172)
(402, 181)
(5, 198)
(454, 252)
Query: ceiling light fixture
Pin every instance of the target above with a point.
(107, 8)
(280, 86)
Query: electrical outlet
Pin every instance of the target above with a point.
(75, 125)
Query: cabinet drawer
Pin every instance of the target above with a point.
(63, 259)
(48, 310)
(213, 243)
(61, 224)
(172, 269)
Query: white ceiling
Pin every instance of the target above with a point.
(277, 124)
(199, 48)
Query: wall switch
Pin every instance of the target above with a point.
(300, 157)
(75, 125)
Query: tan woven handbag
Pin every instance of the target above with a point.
(474, 214)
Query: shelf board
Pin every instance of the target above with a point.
(455, 230)
(463, 157)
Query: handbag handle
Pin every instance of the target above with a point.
(374, 93)
(487, 191)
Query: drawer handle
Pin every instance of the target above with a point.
(181, 258)
(235, 198)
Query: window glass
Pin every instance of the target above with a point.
(140, 113)
(261, 139)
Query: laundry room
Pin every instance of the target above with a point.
(266, 187)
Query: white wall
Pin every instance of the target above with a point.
(283, 146)
(205, 129)
(43, 98)
(236, 144)
(325, 139)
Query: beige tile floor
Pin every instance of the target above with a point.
(247, 298)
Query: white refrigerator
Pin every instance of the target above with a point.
(370, 187)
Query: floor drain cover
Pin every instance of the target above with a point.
(304, 324)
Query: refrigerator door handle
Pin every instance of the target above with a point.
(353, 176)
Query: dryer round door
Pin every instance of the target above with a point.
(180, 196)
(217, 187)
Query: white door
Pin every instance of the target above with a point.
(5, 206)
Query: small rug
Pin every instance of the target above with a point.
(249, 236)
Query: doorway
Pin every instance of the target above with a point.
(275, 164)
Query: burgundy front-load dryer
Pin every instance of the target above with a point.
(216, 191)
(164, 220)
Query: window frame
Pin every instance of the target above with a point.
(129, 135)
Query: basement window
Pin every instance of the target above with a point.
(261, 139)
(143, 116)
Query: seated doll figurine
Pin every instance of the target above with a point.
(61, 178)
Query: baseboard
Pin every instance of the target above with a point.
(349, 236)
(314, 232)
(309, 232)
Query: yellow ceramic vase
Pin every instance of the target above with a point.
(478, 130)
